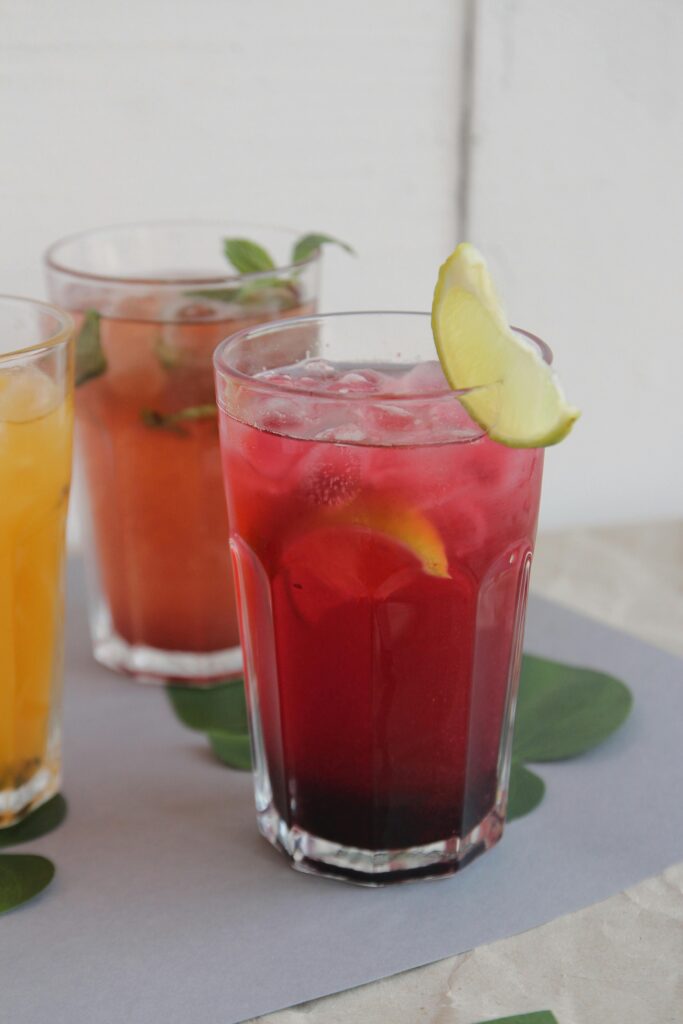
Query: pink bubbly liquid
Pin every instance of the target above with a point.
(382, 551)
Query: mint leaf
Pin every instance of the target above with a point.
(564, 711)
(158, 421)
(525, 793)
(247, 257)
(170, 358)
(194, 412)
(172, 421)
(540, 1017)
(263, 292)
(22, 876)
(279, 293)
(38, 823)
(221, 708)
(308, 244)
(232, 749)
(269, 293)
(227, 295)
(90, 359)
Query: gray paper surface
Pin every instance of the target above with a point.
(168, 907)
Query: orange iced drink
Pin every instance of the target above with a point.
(36, 414)
(151, 303)
(148, 435)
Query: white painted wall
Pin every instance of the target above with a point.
(329, 116)
(347, 118)
(576, 195)
(337, 117)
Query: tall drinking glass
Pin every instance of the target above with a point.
(36, 416)
(382, 545)
(151, 302)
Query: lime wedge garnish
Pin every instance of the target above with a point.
(514, 396)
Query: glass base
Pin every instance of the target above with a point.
(310, 854)
(16, 804)
(153, 665)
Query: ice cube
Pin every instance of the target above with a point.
(26, 393)
(360, 381)
(319, 369)
(450, 421)
(350, 432)
(390, 418)
(276, 377)
(273, 458)
(423, 377)
(279, 415)
(332, 477)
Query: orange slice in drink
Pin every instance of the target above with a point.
(401, 523)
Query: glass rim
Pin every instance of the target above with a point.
(61, 335)
(225, 370)
(52, 262)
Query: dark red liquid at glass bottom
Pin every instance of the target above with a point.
(382, 690)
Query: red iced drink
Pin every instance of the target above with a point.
(381, 546)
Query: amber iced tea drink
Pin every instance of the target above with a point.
(382, 546)
(36, 413)
(151, 303)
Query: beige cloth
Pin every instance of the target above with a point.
(617, 962)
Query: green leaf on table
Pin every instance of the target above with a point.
(232, 749)
(219, 711)
(525, 792)
(540, 1017)
(221, 708)
(22, 876)
(246, 256)
(38, 823)
(564, 711)
(90, 358)
(173, 421)
(309, 244)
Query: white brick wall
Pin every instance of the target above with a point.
(332, 116)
